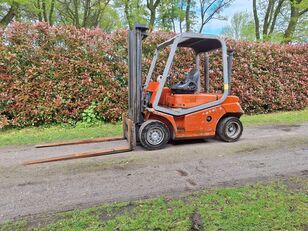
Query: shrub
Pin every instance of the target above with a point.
(53, 74)
(89, 116)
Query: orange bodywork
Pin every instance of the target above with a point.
(200, 124)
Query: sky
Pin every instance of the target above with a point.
(216, 26)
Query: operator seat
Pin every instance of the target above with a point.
(189, 85)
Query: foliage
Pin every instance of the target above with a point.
(134, 11)
(53, 74)
(280, 20)
(171, 12)
(298, 13)
(241, 27)
(110, 20)
(89, 115)
(82, 13)
(271, 206)
(109, 15)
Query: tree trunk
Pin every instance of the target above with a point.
(152, 6)
(44, 11)
(86, 13)
(52, 7)
(152, 19)
(96, 19)
(100, 11)
(180, 17)
(256, 18)
(180, 25)
(267, 19)
(39, 14)
(277, 11)
(173, 25)
(289, 32)
(127, 14)
(76, 14)
(296, 13)
(187, 15)
(10, 15)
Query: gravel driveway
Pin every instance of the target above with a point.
(263, 153)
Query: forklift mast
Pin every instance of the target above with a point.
(135, 87)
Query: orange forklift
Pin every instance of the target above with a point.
(159, 112)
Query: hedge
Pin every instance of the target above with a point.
(54, 74)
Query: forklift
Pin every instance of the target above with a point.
(159, 112)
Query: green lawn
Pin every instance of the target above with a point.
(280, 205)
(36, 135)
(291, 117)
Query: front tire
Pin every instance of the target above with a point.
(153, 135)
(229, 129)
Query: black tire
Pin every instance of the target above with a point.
(229, 129)
(153, 135)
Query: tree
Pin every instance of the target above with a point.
(187, 15)
(277, 20)
(273, 8)
(110, 19)
(256, 18)
(241, 27)
(82, 13)
(171, 13)
(10, 14)
(298, 9)
(152, 6)
(211, 8)
(11, 9)
(45, 9)
(134, 11)
(301, 31)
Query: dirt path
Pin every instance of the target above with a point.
(262, 153)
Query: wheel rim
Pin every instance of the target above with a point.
(233, 130)
(155, 136)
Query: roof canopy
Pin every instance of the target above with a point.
(200, 43)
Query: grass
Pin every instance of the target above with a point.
(280, 205)
(291, 117)
(35, 135)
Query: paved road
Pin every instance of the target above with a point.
(262, 153)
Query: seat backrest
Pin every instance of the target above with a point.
(189, 85)
(193, 75)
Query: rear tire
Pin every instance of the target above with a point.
(153, 135)
(229, 129)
